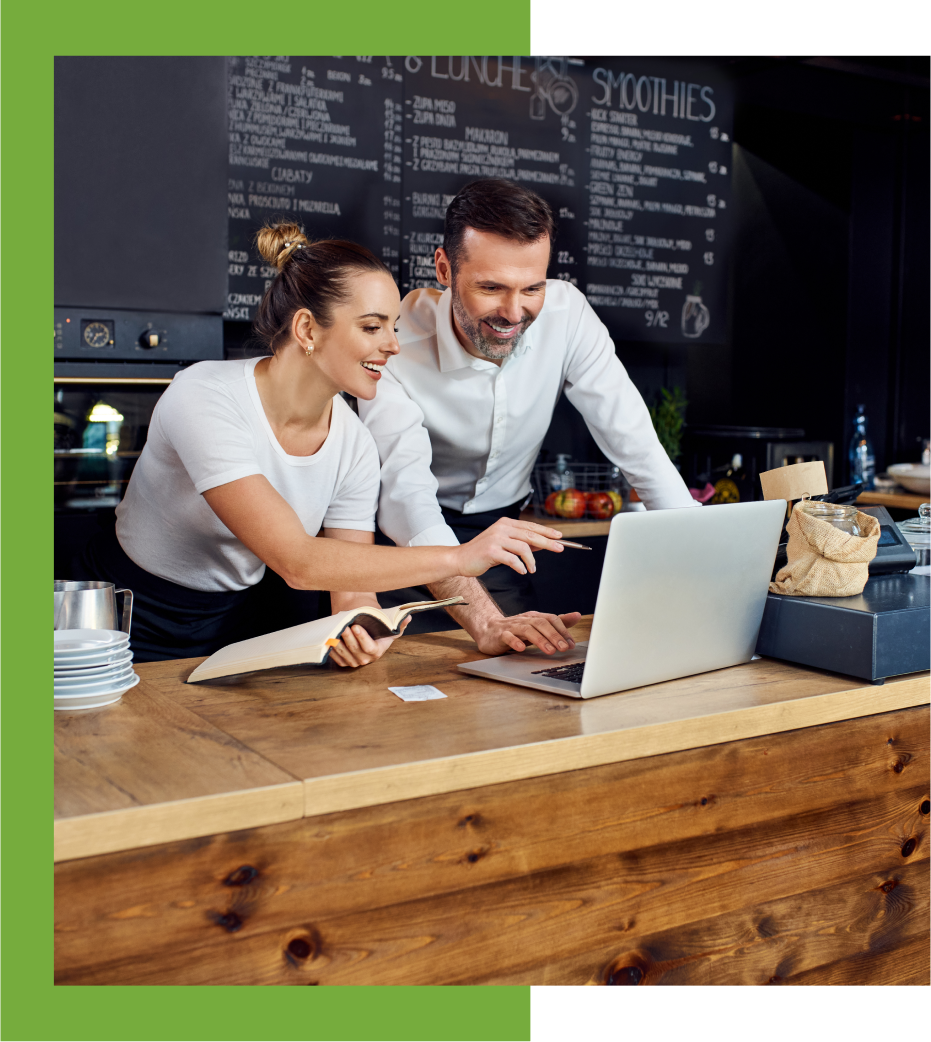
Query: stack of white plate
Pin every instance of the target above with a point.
(93, 668)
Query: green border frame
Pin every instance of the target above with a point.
(33, 1011)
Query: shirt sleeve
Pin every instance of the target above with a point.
(598, 386)
(355, 498)
(206, 428)
(408, 511)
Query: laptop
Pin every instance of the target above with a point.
(681, 592)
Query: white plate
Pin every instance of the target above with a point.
(100, 658)
(88, 647)
(88, 702)
(86, 658)
(86, 698)
(118, 664)
(77, 641)
(107, 687)
(80, 683)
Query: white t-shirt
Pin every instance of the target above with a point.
(209, 428)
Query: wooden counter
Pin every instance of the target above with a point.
(307, 826)
(571, 529)
(900, 500)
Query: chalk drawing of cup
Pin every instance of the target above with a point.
(559, 90)
(695, 317)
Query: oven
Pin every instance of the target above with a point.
(111, 367)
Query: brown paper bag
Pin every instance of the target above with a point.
(823, 561)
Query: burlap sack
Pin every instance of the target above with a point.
(823, 561)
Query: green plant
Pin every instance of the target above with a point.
(668, 416)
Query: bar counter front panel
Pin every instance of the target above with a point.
(759, 824)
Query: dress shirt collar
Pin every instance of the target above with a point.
(452, 354)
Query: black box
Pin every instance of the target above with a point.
(883, 632)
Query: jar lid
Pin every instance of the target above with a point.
(920, 525)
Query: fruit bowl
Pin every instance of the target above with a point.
(916, 477)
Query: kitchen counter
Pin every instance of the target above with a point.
(576, 529)
(900, 500)
(207, 833)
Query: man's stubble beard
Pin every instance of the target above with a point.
(492, 348)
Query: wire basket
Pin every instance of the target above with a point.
(587, 477)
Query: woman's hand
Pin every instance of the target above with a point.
(357, 648)
(508, 542)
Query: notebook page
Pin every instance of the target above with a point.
(306, 635)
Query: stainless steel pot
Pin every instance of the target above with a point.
(90, 606)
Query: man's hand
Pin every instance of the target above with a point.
(550, 633)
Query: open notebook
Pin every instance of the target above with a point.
(308, 643)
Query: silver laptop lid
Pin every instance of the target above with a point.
(682, 592)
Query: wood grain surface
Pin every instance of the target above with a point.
(764, 860)
(904, 500)
(147, 770)
(570, 528)
(354, 744)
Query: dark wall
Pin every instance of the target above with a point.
(140, 183)
(829, 302)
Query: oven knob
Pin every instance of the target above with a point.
(150, 338)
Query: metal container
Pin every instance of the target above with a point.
(585, 477)
(90, 606)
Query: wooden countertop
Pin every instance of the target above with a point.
(569, 528)
(174, 761)
(587, 527)
(902, 500)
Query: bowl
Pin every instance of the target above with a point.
(916, 477)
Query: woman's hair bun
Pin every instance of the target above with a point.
(277, 242)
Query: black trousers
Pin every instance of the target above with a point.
(174, 621)
(512, 592)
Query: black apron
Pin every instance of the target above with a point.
(174, 621)
(513, 593)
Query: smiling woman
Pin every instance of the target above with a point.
(248, 463)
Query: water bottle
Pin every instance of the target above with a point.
(862, 460)
(562, 477)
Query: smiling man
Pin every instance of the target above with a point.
(461, 412)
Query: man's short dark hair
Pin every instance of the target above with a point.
(493, 204)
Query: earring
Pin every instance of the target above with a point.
(309, 350)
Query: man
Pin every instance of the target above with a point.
(461, 413)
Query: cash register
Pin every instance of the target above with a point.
(882, 632)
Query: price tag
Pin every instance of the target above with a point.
(789, 483)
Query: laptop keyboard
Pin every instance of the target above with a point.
(572, 673)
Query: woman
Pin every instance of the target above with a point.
(247, 461)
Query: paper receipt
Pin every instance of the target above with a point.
(417, 693)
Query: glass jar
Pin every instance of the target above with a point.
(917, 530)
(839, 515)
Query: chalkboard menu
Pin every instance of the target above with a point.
(633, 155)
(467, 117)
(658, 138)
(316, 140)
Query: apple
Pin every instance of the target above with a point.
(549, 504)
(600, 505)
(569, 502)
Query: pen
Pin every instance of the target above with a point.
(575, 546)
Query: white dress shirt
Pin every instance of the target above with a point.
(464, 432)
